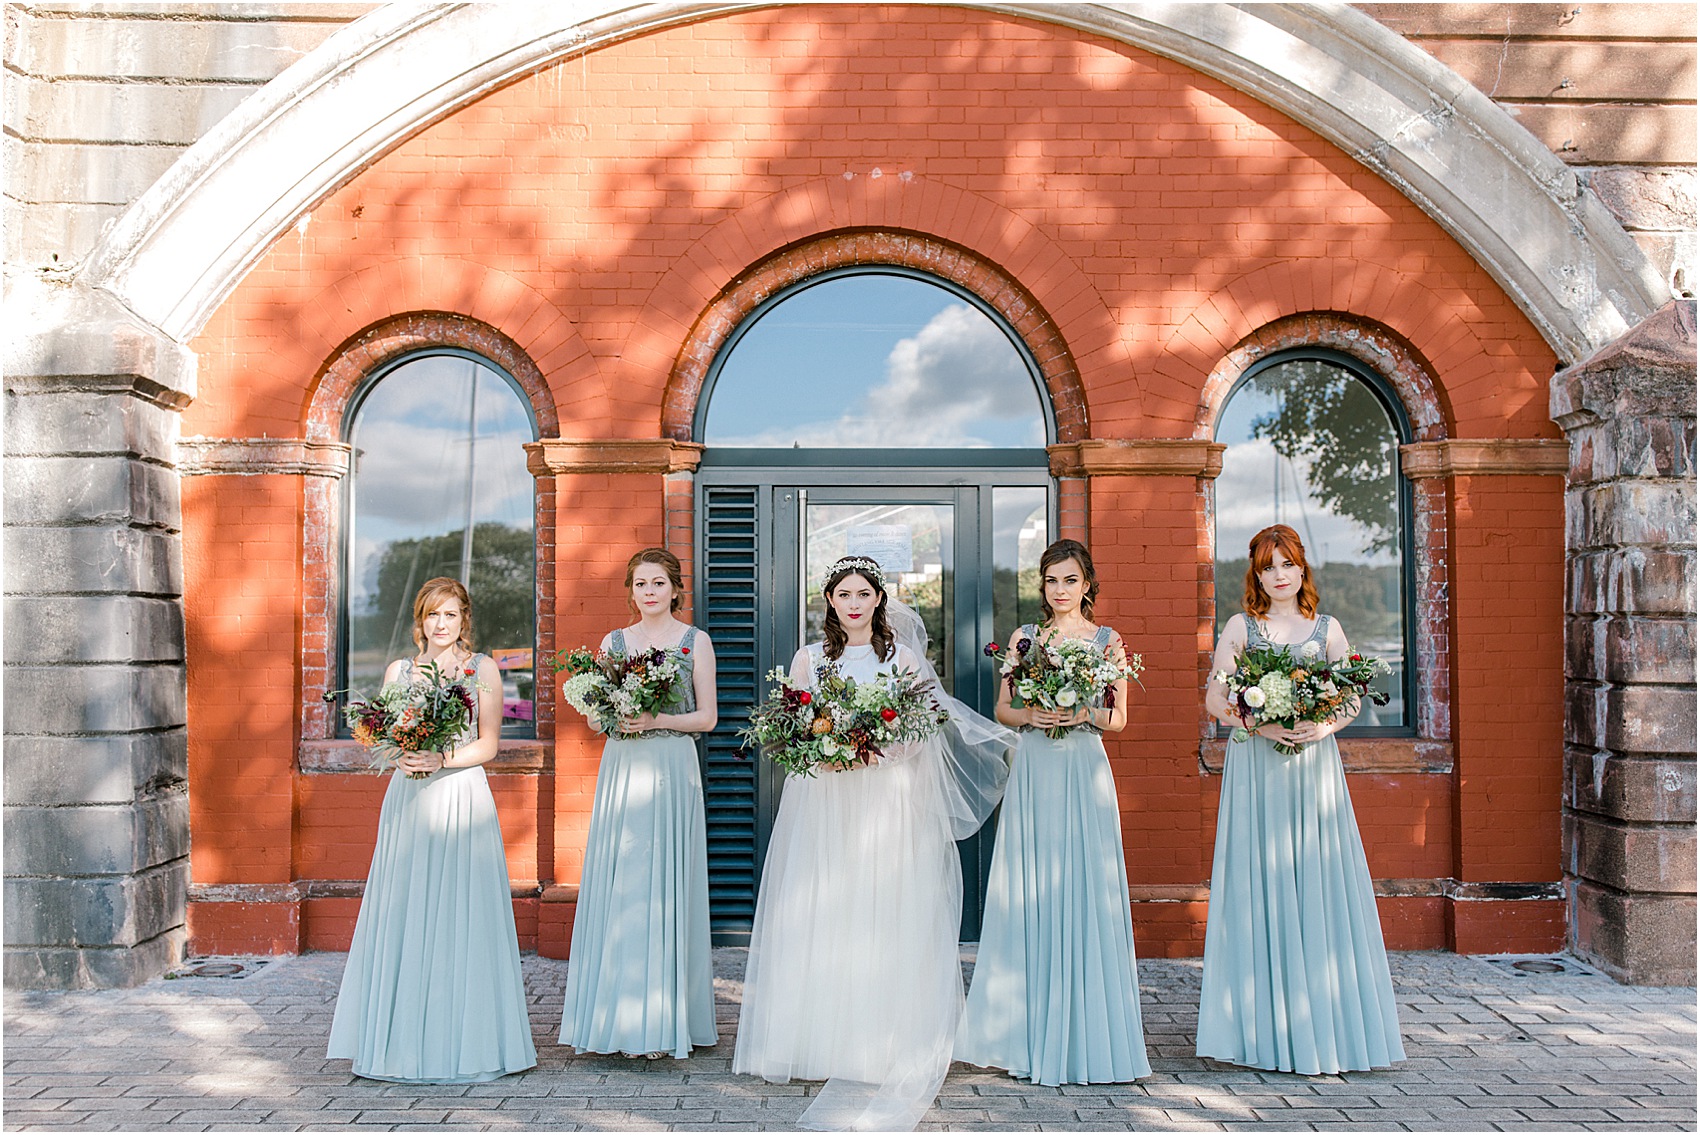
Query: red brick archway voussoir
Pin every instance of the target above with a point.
(399, 335)
(871, 247)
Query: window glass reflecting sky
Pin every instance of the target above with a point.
(875, 360)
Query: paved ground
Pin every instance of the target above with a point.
(1489, 1047)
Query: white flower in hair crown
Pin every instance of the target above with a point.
(861, 565)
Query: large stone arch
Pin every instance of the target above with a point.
(1519, 211)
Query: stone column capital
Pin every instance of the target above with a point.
(1485, 457)
(1130, 457)
(556, 455)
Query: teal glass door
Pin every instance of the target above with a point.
(963, 552)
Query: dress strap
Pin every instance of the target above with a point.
(1101, 640)
(1320, 633)
(688, 639)
(617, 641)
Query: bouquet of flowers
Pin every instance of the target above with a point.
(424, 715)
(607, 685)
(1269, 685)
(842, 720)
(1060, 673)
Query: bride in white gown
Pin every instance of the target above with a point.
(853, 972)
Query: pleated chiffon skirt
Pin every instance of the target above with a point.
(432, 992)
(1055, 996)
(640, 977)
(1295, 971)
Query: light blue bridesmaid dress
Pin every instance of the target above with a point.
(640, 978)
(1295, 973)
(432, 991)
(1055, 998)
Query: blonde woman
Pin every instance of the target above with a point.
(432, 992)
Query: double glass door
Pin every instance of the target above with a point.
(963, 552)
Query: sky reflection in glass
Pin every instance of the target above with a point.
(875, 360)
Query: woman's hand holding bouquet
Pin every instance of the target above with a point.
(1061, 675)
(612, 689)
(841, 722)
(1269, 686)
(424, 715)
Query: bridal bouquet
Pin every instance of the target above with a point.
(1269, 685)
(842, 720)
(424, 715)
(1060, 673)
(606, 685)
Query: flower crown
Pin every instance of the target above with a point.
(861, 565)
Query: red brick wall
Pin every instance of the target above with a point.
(242, 604)
(1155, 220)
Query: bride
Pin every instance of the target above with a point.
(853, 973)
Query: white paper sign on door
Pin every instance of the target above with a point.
(891, 546)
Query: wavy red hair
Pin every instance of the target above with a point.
(1277, 538)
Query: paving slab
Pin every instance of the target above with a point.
(1488, 1048)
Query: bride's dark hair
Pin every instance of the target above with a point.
(884, 642)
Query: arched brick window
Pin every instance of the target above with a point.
(1313, 440)
(372, 378)
(438, 486)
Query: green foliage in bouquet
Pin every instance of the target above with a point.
(608, 685)
(1270, 685)
(841, 721)
(424, 715)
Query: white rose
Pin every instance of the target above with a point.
(1254, 698)
(1066, 698)
(828, 747)
(1310, 650)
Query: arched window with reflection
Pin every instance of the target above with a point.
(439, 487)
(1313, 442)
(873, 359)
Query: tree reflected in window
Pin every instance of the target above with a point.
(1312, 444)
(439, 487)
(873, 359)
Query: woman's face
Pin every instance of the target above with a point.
(1282, 578)
(855, 599)
(652, 591)
(442, 624)
(1065, 586)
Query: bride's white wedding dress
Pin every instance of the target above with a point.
(853, 972)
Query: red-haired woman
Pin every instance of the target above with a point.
(432, 991)
(1295, 972)
(640, 979)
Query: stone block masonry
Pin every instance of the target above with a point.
(97, 816)
(1629, 797)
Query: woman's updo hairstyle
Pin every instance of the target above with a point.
(668, 563)
(1262, 550)
(1069, 550)
(431, 596)
(884, 642)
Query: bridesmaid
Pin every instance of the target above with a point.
(432, 992)
(1055, 998)
(1295, 973)
(639, 978)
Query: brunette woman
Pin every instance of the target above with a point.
(432, 991)
(1295, 973)
(1055, 998)
(853, 975)
(640, 980)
